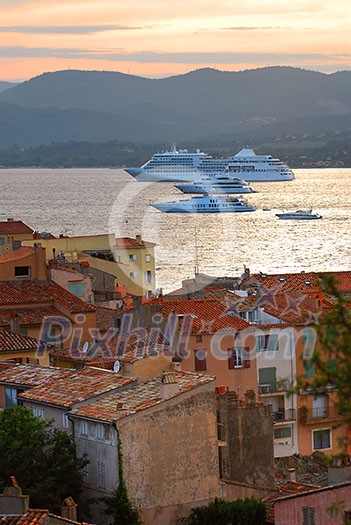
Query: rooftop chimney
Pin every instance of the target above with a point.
(12, 501)
(292, 474)
(138, 239)
(10, 219)
(69, 509)
(169, 385)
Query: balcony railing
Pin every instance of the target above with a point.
(272, 388)
(318, 413)
(284, 415)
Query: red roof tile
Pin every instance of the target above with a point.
(129, 242)
(16, 255)
(13, 342)
(303, 282)
(44, 292)
(77, 386)
(28, 316)
(209, 315)
(137, 398)
(105, 318)
(14, 227)
(30, 375)
(32, 517)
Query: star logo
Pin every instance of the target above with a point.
(313, 317)
(293, 304)
(233, 307)
(266, 296)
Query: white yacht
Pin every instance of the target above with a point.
(184, 166)
(219, 184)
(204, 204)
(299, 215)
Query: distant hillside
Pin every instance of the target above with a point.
(6, 85)
(202, 104)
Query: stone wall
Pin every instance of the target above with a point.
(170, 455)
(247, 432)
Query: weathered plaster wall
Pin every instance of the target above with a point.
(248, 454)
(170, 454)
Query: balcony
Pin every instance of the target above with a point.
(318, 414)
(281, 416)
(274, 387)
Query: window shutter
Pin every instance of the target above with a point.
(231, 361)
(247, 362)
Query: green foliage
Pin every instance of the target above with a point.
(118, 506)
(332, 359)
(43, 459)
(220, 512)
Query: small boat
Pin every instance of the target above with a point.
(204, 204)
(299, 215)
(219, 184)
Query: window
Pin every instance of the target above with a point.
(347, 517)
(77, 288)
(147, 258)
(308, 514)
(200, 360)
(267, 342)
(10, 397)
(321, 439)
(309, 368)
(38, 412)
(148, 276)
(65, 421)
(283, 432)
(133, 257)
(101, 475)
(86, 473)
(235, 358)
(267, 378)
(84, 427)
(133, 274)
(22, 271)
(100, 431)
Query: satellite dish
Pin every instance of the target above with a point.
(85, 347)
(120, 303)
(116, 366)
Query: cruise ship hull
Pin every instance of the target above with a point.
(167, 176)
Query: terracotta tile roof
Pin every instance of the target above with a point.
(209, 315)
(105, 318)
(14, 342)
(290, 488)
(129, 242)
(30, 375)
(36, 517)
(303, 282)
(32, 517)
(44, 292)
(14, 227)
(76, 386)
(293, 308)
(16, 255)
(136, 348)
(137, 398)
(28, 316)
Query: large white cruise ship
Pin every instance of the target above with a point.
(184, 166)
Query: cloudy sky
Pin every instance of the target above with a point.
(164, 37)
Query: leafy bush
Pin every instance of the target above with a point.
(220, 512)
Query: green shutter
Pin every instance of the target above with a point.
(309, 367)
(268, 376)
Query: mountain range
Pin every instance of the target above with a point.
(200, 105)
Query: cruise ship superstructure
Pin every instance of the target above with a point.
(184, 166)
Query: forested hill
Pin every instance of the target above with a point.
(205, 104)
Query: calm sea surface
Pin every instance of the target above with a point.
(90, 201)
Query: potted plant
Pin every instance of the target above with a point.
(304, 411)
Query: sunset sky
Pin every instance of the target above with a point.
(163, 37)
